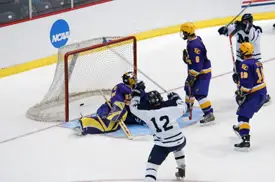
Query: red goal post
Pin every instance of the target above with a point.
(83, 70)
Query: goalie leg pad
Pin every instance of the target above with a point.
(103, 110)
(96, 125)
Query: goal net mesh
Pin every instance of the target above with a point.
(82, 71)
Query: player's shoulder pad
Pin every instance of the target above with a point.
(124, 88)
(258, 64)
(193, 48)
(119, 85)
(258, 28)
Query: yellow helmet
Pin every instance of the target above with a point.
(188, 27)
(129, 78)
(246, 49)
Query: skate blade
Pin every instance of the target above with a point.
(267, 104)
(179, 179)
(207, 124)
(244, 149)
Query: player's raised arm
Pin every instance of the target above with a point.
(135, 101)
(178, 102)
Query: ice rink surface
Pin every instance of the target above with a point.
(57, 155)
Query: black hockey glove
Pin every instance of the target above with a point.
(258, 28)
(185, 56)
(173, 95)
(138, 88)
(190, 80)
(240, 97)
(236, 78)
(223, 30)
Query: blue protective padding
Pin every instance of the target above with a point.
(139, 130)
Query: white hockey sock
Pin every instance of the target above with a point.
(180, 158)
(151, 172)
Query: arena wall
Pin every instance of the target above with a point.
(35, 43)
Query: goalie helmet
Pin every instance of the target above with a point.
(247, 17)
(187, 29)
(154, 98)
(246, 49)
(129, 78)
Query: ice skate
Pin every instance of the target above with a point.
(180, 174)
(268, 100)
(244, 146)
(207, 119)
(79, 129)
(236, 129)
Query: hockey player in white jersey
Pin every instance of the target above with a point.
(244, 31)
(160, 116)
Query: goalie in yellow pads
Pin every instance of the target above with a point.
(109, 114)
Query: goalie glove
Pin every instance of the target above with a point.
(240, 97)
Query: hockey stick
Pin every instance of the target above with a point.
(239, 14)
(190, 104)
(232, 52)
(127, 61)
(121, 123)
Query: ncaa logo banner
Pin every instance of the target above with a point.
(59, 33)
(255, 3)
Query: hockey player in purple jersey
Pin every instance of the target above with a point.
(120, 93)
(110, 114)
(245, 31)
(199, 72)
(251, 94)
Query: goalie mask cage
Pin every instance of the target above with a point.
(82, 71)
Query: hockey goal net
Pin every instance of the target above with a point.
(83, 70)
